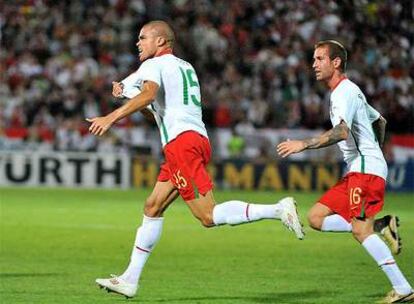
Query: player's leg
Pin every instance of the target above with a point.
(149, 232)
(147, 236)
(163, 194)
(188, 156)
(202, 208)
(366, 199)
(363, 231)
(322, 218)
(237, 212)
(330, 213)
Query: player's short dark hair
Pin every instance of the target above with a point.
(166, 30)
(336, 50)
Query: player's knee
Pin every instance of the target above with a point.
(151, 208)
(360, 234)
(315, 221)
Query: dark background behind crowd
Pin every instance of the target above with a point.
(253, 58)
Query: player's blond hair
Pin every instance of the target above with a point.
(336, 50)
(163, 29)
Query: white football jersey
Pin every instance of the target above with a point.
(177, 107)
(361, 150)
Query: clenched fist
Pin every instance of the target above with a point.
(117, 89)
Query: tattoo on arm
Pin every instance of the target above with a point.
(379, 129)
(334, 135)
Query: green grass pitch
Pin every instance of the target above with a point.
(54, 243)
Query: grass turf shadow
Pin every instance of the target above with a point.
(282, 297)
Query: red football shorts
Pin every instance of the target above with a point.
(186, 159)
(356, 195)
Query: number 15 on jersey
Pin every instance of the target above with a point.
(190, 80)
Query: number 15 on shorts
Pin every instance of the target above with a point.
(179, 180)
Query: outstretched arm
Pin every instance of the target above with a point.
(101, 124)
(334, 135)
(118, 90)
(379, 130)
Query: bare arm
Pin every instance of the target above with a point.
(138, 103)
(101, 124)
(117, 90)
(379, 129)
(334, 135)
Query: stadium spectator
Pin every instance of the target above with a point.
(236, 144)
(259, 48)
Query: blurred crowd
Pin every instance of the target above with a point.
(253, 59)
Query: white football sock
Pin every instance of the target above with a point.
(336, 223)
(238, 212)
(382, 255)
(146, 238)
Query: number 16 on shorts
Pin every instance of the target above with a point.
(355, 197)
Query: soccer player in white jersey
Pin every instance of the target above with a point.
(351, 205)
(169, 89)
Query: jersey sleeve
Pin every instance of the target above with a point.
(373, 114)
(344, 107)
(131, 85)
(150, 71)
